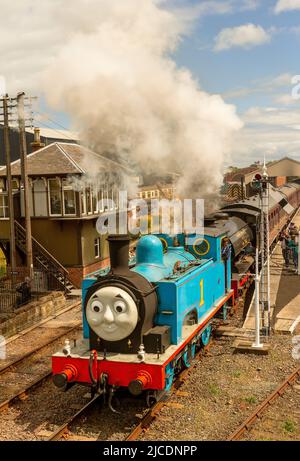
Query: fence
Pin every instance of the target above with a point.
(16, 288)
(2, 265)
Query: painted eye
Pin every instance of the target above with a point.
(120, 307)
(97, 306)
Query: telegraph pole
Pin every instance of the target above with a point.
(24, 172)
(12, 240)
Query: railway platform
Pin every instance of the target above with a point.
(285, 294)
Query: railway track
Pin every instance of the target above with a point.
(64, 431)
(24, 393)
(154, 411)
(16, 371)
(40, 330)
(264, 406)
(22, 358)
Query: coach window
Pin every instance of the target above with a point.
(55, 197)
(97, 247)
(68, 199)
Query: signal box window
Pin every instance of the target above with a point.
(89, 203)
(4, 206)
(69, 199)
(97, 247)
(55, 197)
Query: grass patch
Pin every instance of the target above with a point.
(252, 400)
(236, 374)
(214, 389)
(289, 425)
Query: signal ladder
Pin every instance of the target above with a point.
(263, 239)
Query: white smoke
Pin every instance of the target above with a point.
(117, 79)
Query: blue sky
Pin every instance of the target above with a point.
(255, 76)
(244, 50)
(239, 67)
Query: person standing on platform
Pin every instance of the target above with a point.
(293, 245)
(284, 248)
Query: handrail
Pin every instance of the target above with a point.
(43, 250)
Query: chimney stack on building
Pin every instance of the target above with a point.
(36, 144)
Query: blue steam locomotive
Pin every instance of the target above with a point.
(143, 323)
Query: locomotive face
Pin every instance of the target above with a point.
(112, 313)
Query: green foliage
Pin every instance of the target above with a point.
(236, 374)
(289, 425)
(214, 389)
(252, 400)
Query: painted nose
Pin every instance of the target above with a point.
(108, 315)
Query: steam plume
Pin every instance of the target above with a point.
(118, 80)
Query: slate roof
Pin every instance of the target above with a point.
(62, 158)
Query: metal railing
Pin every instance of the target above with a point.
(17, 289)
(43, 260)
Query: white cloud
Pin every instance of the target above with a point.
(114, 74)
(2, 85)
(268, 130)
(273, 116)
(265, 86)
(31, 46)
(285, 99)
(245, 36)
(287, 5)
(248, 5)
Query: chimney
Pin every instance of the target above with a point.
(36, 144)
(119, 253)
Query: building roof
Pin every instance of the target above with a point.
(48, 136)
(56, 134)
(287, 167)
(236, 176)
(61, 158)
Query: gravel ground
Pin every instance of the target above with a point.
(30, 369)
(116, 426)
(35, 366)
(281, 421)
(40, 335)
(222, 391)
(45, 409)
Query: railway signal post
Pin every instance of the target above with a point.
(257, 343)
(262, 297)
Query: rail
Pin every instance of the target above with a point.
(237, 434)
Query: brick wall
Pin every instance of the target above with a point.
(280, 181)
(76, 274)
(95, 266)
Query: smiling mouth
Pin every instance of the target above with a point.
(109, 327)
